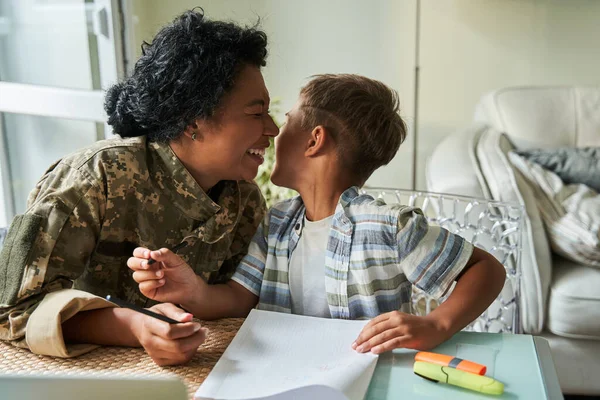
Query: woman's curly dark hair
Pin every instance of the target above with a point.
(182, 75)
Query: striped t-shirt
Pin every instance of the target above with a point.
(374, 253)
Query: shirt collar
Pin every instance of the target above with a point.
(339, 216)
(347, 196)
(341, 209)
(219, 217)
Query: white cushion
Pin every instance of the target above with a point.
(505, 185)
(574, 302)
(571, 213)
(448, 173)
(576, 363)
(544, 117)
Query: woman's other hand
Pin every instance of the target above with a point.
(169, 344)
(168, 280)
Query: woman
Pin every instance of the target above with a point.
(194, 123)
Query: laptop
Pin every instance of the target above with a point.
(106, 387)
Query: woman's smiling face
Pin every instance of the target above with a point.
(233, 141)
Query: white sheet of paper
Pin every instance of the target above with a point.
(278, 356)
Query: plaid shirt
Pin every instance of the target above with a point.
(374, 253)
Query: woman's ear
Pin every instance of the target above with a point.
(316, 141)
(193, 131)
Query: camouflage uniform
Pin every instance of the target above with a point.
(85, 217)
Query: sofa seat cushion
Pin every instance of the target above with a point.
(574, 301)
(576, 363)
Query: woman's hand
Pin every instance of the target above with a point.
(169, 344)
(168, 280)
(396, 329)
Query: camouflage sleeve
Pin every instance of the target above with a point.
(254, 211)
(46, 248)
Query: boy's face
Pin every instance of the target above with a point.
(290, 146)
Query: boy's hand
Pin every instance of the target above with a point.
(169, 344)
(169, 280)
(396, 329)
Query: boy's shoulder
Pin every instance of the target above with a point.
(371, 214)
(288, 207)
(281, 216)
(365, 204)
(354, 205)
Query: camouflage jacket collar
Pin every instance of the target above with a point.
(217, 219)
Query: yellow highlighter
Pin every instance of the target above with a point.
(456, 377)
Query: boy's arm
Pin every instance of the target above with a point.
(477, 286)
(432, 259)
(177, 283)
(223, 300)
(172, 280)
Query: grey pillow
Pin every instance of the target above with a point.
(572, 165)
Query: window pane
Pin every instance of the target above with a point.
(34, 143)
(48, 42)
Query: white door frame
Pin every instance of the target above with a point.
(47, 101)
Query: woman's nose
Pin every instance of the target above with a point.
(271, 128)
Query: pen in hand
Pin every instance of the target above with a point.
(133, 307)
(173, 249)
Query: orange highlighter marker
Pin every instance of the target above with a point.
(449, 361)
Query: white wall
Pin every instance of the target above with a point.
(372, 38)
(470, 47)
(467, 48)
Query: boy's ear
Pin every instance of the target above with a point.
(316, 141)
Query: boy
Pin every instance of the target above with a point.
(334, 253)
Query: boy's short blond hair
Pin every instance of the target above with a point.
(361, 114)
